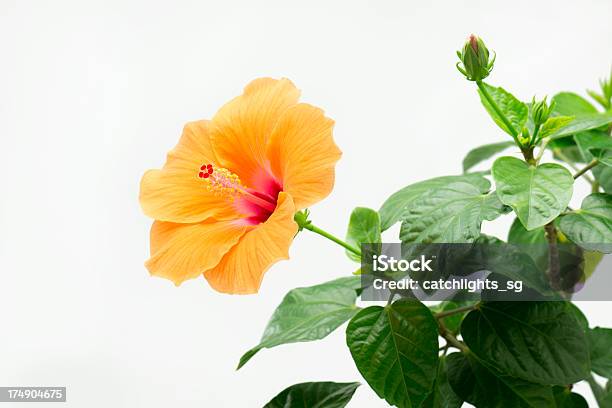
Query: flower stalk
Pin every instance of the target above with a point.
(301, 218)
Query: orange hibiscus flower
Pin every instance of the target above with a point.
(225, 199)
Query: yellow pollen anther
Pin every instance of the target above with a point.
(222, 183)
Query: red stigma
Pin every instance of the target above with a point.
(207, 171)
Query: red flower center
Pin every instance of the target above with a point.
(257, 205)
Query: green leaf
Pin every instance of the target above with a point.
(554, 124)
(442, 395)
(535, 244)
(519, 235)
(595, 144)
(514, 110)
(532, 242)
(395, 349)
(580, 317)
(483, 152)
(603, 175)
(565, 149)
(308, 314)
(364, 228)
(536, 194)
(600, 344)
(398, 204)
(314, 395)
(564, 398)
(591, 225)
(481, 385)
(451, 213)
(570, 104)
(540, 342)
(582, 123)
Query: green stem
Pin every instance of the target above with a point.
(304, 223)
(462, 309)
(597, 390)
(586, 168)
(569, 162)
(554, 270)
(503, 117)
(535, 134)
(450, 339)
(545, 142)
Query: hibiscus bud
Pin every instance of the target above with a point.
(541, 111)
(475, 59)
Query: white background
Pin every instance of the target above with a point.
(94, 93)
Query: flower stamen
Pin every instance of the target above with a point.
(223, 183)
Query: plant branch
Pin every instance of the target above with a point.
(569, 162)
(586, 168)
(450, 339)
(545, 142)
(503, 117)
(446, 313)
(554, 269)
(597, 390)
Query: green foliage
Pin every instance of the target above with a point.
(565, 149)
(399, 203)
(480, 384)
(604, 98)
(603, 175)
(442, 395)
(451, 213)
(314, 395)
(514, 110)
(600, 345)
(564, 398)
(591, 225)
(537, 194)
(603, 395)
(308, 314)
(569, 104)
(482, 153)
(507, 335)
(364, 228)
(582, 123)
(519, 235)
(395, 349)
(595, 144)
(511, 354)
(554, 125)
(580, 317)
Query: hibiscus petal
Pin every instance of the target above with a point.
(183, 251)
(303, 154)
(241, 128)
(241, 270)
(176, 193)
